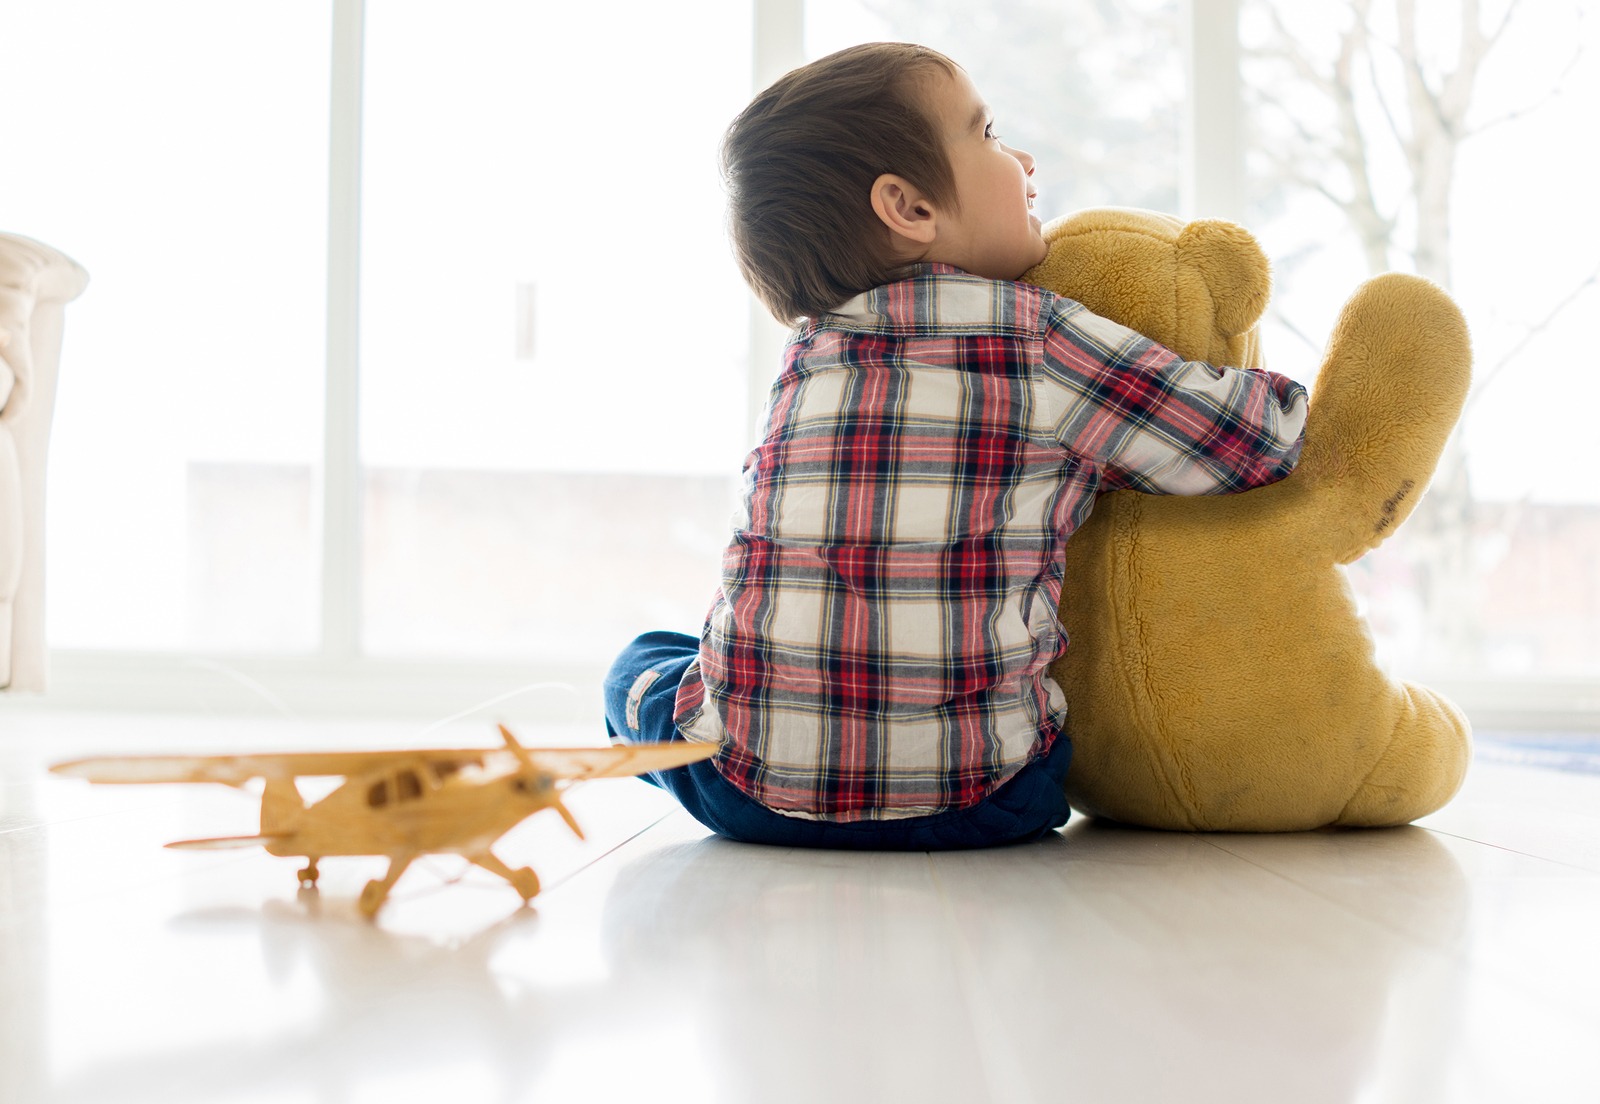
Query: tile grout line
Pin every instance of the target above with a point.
(1317, 893)
(1458, 956)
(565, 878)
(1511, 850)
(980, 1016)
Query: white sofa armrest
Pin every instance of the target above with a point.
(36, 283)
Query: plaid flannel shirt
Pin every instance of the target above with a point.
(880, 644)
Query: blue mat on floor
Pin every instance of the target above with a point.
(1568, 751)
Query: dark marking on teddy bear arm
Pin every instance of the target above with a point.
(1392, 504)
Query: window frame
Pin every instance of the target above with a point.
(337, 680)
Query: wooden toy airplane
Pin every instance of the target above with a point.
(400, 804)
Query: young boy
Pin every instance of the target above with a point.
(875, 665)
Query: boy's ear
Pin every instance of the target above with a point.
(904, 209)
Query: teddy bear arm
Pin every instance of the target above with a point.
(1391, 387)
(1421, 769)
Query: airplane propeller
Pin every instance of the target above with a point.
(539, 778)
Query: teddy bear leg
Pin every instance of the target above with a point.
(1422, 768)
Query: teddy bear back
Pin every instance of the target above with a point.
(1219, 674)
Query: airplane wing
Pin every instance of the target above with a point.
(235, 770)
(575, 763)
(225, 843)
(618, 761)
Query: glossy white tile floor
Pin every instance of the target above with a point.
(1453, 961)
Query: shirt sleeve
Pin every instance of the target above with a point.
(1157, 423)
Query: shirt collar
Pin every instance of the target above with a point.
(874, 304)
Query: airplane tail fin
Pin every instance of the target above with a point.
(281, 806)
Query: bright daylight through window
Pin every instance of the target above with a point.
(1395, 135)
(553, 334)
(188, 422)
(549, 434)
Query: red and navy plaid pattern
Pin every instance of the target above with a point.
(880, 644)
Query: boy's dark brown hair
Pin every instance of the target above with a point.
(799, 163)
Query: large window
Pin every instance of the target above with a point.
(178, 150)
(521, 283)
(553, 333)
(1456, 142)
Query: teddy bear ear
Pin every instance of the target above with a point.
(1234, 269)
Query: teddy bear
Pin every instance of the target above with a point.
(1219, 675)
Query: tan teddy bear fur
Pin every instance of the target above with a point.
(1219, 676)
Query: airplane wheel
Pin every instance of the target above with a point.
(371, 898)
(526, 882)
(308, 876)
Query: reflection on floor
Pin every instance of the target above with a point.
(1451, 961)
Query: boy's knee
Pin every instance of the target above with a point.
(643, 651)
(641, 666)
(633, 701)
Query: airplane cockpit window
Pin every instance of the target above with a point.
(445, 770)
(408, 785)
(404, 785)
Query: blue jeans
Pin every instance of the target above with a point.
(1029, 805)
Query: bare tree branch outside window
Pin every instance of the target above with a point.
(1368, 104)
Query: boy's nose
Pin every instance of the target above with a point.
(1025, 157)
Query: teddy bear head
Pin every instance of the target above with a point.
(1199, 288)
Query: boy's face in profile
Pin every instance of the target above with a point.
(994, 232)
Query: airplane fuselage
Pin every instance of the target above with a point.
(392, 816)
